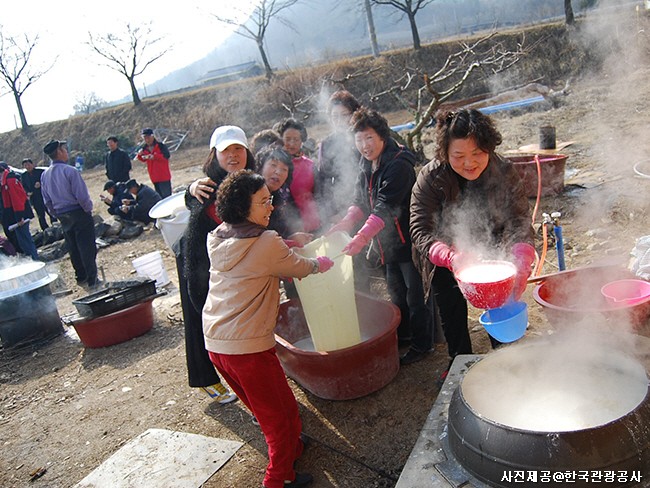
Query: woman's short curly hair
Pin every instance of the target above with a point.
(264, 138)
(461, 125)
(293, 124)
(235, 195)
(365, 118)
(274, 152)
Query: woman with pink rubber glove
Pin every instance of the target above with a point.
(468, 196)
(240, 314)
(382, 196)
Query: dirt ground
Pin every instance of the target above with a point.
(67, 408)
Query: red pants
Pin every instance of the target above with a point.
(259, 381)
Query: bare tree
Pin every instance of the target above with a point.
(255, 26)
(480, 56)
(568, 12)
(128, 53)
(410, 8)
(371, 28)
(362, 8)
(15, 68)
(88, 103)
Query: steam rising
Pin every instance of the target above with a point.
(617, 38)
(581, 377)
(586, 373)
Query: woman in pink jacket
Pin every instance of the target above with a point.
(302, 188)
(246, 263)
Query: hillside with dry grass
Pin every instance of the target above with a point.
(553, 54)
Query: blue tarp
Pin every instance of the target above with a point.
(486, 110)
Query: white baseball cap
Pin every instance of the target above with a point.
(226, 135)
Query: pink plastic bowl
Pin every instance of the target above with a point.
(626, 292)
(487, 284)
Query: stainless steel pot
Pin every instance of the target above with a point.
(23, 278)
(28, 310)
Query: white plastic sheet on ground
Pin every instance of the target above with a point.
(640, 265)
(162, 458)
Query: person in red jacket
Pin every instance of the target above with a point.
(15, 211)
(156, 155)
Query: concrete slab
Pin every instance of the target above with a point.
(159, 457)
(430, 465)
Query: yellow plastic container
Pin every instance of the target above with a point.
(328, 299)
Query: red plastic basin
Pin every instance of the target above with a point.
(487, 284)
(116, 327)
(573, 295)
(346, 373)
(552, 169)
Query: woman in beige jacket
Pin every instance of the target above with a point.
(246, 263)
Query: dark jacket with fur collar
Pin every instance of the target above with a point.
(193, 244)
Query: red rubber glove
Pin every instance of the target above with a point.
(354, 215)
(324, 263)
(524, 256)
(440, 254)
(370, 229)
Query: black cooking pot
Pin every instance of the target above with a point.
(28, 310)
(504, 455)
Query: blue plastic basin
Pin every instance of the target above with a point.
(507, 323)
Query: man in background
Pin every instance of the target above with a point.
(116, 195)
(156, 156)
(66, 197)
(118, 162)
(31, 181)
(144, 198)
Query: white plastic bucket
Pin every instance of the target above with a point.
(172, 228)
(151, 266)
(328, 299)
(171, 217)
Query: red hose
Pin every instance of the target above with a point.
(539, 187)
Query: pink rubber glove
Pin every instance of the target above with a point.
(370, 229)
(524, 256)
(324, 263)
(440, 254)
(354, 215)
(291, 243)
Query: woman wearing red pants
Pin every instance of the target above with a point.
(246, 263)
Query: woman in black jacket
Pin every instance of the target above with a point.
(228, 152)
(382, 195)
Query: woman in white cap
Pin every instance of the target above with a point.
(228, 152)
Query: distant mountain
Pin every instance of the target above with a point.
(330, 29)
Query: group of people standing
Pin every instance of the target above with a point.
(251, 209)
(126, 198)
(21, 197)
(261, 199)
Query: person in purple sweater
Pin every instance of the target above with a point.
(66, 196)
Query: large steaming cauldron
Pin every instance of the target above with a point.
(27, 308)
(592, 416)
